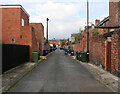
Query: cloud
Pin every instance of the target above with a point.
(58, 1)
(56, 11)
(66, 16)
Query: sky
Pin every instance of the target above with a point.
(65, 16)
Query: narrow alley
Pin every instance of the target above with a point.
(59, 73)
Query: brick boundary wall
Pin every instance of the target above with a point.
(115, 50)
(119, 49)
(80, 46)
(97, 50)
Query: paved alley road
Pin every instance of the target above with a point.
(59, 73)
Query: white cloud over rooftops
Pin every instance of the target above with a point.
(66, 16)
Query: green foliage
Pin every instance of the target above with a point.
(78, 37)
(54, 45)
(68, 39)
(63, 43)
(69, 47)
(95, 32)
(73, 42)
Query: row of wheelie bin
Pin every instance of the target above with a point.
(69, 51)
(82, 56)
(36, 55)
(61, 48)
(66, 52)
(45, 52)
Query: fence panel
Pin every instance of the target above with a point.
(14, 55)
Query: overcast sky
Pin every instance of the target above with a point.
(65, 16)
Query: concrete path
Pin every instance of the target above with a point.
(59, 73)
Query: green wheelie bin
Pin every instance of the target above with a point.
(35, 56)
(79, 55)
(84, 57)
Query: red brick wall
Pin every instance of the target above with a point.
(26, 33)
(97, 50)
(35, 45)
(115, 50)
(39, 34)
(119, 50)
(76, 47)
(81, 45)
(11, 25)
(25, 17)
(12, 28)
(119, 13)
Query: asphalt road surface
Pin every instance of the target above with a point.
(59, 73)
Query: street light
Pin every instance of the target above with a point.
(88, 29)
(87, 26)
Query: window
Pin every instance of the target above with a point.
(12, 40)
(22, 22)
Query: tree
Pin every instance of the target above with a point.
(78, 37)
(95, 32)
(63, 43)
(54, 45)
(68, 40)
(69, 47)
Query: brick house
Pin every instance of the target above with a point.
(51, 42)
(16, 28)
(39, 33)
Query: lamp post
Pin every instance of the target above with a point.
(88, 29)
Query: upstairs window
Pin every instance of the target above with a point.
(22, 22)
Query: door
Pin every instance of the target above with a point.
(108, 56)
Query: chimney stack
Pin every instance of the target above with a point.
(97, 21)
(114, 12)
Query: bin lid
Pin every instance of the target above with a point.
(76, 51)
(34, 52)
(79, 51)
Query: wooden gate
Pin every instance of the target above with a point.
(108, 55)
